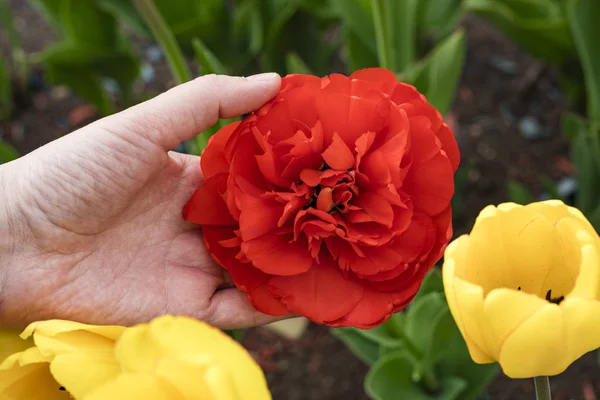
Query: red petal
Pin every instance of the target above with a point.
(322, 294)
(245, 276)
(430, 185)
(424, 144)
(348, 114)
(377, 207)
(263, 300)
(213, 159)
(258, 216)
(275, 254)
(449, 145)
(338, 155)
(207, 206)
(374, 309)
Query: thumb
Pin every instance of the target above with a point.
(188, 109)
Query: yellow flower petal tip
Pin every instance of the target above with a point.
(524, 287)
(169, 358)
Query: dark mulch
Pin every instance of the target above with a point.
(501, 86)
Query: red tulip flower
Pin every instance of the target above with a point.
(331, 201)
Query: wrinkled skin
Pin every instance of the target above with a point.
(91, 227)
(333, 200)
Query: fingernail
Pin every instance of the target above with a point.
(267, 76)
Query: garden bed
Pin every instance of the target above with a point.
(506, 119)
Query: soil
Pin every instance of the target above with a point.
(501, 86)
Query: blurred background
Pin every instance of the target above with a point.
(517, 80)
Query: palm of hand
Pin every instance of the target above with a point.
(105, 238)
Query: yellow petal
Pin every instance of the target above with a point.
(187, 377)
(82, 373)
(54, 327)
(136, 386)
(30, 356)
(11, 343)
(581, 324)
(536, 346)
(139, 347)
(454, 257)
(74, 341)
(219, 382)
(466, 305)
(31, 382)
(587, 285)
(505, 310)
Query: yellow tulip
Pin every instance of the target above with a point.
(44, 346)
(181, 358)
(524, 287)
(169, 358)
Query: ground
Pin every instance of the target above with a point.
(506, 119)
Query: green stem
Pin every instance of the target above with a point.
(542, 388)
(165, 38)
(382, 45)
(422, 374)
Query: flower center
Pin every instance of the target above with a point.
(331, 190)
(549, 298)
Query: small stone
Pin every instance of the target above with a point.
(566, 187)
(110, 85)
(154, 54)
(504, 65)
(59, 93)
(82, 114)
(531, 129)
(147, 73)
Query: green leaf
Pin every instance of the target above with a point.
(208, 61)
(82, 69)
(187, 19)
(366, 350)
(539, 26)
(6, 99)
(357, 54)
(391, 379)
(125, 11)
(584, 156)
(461, 178)
(7, 152)
(438, 74)
(236, 334)
(432, 283)
(456, 361)
(571, 124)
(87, 25)
(550, 187)
(50, 9)
(583, 19)
(357, 17)
(518, 193)
(429, 325)
(437, 18)
(295, 64)
(383, 335)
(401, 24)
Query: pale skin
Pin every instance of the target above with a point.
(91, 225)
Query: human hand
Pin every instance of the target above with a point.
(91, 225)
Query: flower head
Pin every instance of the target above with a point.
(524, 287)
(169, 358)
(331, 201)
(46, 351)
